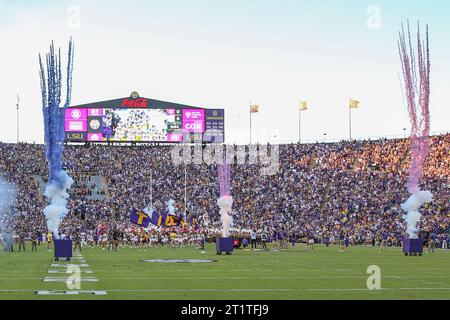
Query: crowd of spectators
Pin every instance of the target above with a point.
(321, 191)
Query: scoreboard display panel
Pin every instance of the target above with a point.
(136, 120)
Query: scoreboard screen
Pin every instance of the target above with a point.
(141, 124)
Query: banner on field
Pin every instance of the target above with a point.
(173, 221)
(166, 220)
(140, 218)
(156, 219)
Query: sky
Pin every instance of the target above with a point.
(228, 54)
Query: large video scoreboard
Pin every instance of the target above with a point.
(136, 119)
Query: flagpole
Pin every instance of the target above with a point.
(185, 192)
(18, 123)
(250, 109)
(350, 121)
(299, 125)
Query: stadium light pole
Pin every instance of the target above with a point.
(185, 192)
(151, 189)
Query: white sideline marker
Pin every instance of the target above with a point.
(51, 279)
(97, 293)
(61, 271)
(68, 265)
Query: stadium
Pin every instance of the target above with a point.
(136, 198)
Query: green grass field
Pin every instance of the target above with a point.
(297, 273)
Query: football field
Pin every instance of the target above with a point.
(297, 273)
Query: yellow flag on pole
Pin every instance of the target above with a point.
(303, 105)
(254, 108)
(354, 104)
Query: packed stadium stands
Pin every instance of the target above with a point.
(321, 190)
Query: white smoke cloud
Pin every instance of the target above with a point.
(7, 196)
(411, 207)
(225, 203)
(57, 193)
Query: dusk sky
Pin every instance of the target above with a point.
(226, 54)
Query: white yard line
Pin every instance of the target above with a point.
(277, 290)
(65, 272)
(50, 279)
(277, 277)
(245, 290)
(69, 264)
(241, 278)
(61, 293)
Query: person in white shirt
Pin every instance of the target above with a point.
(311, 243)
(90, 240)
(253, 239)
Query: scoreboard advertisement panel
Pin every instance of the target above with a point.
(140, 120)
(215, 126)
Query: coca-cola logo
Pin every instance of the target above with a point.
(138, 103)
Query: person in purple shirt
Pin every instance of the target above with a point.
(293, 239)
(345, 243)
(326, 241)
(275, 238)
(245, 243)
